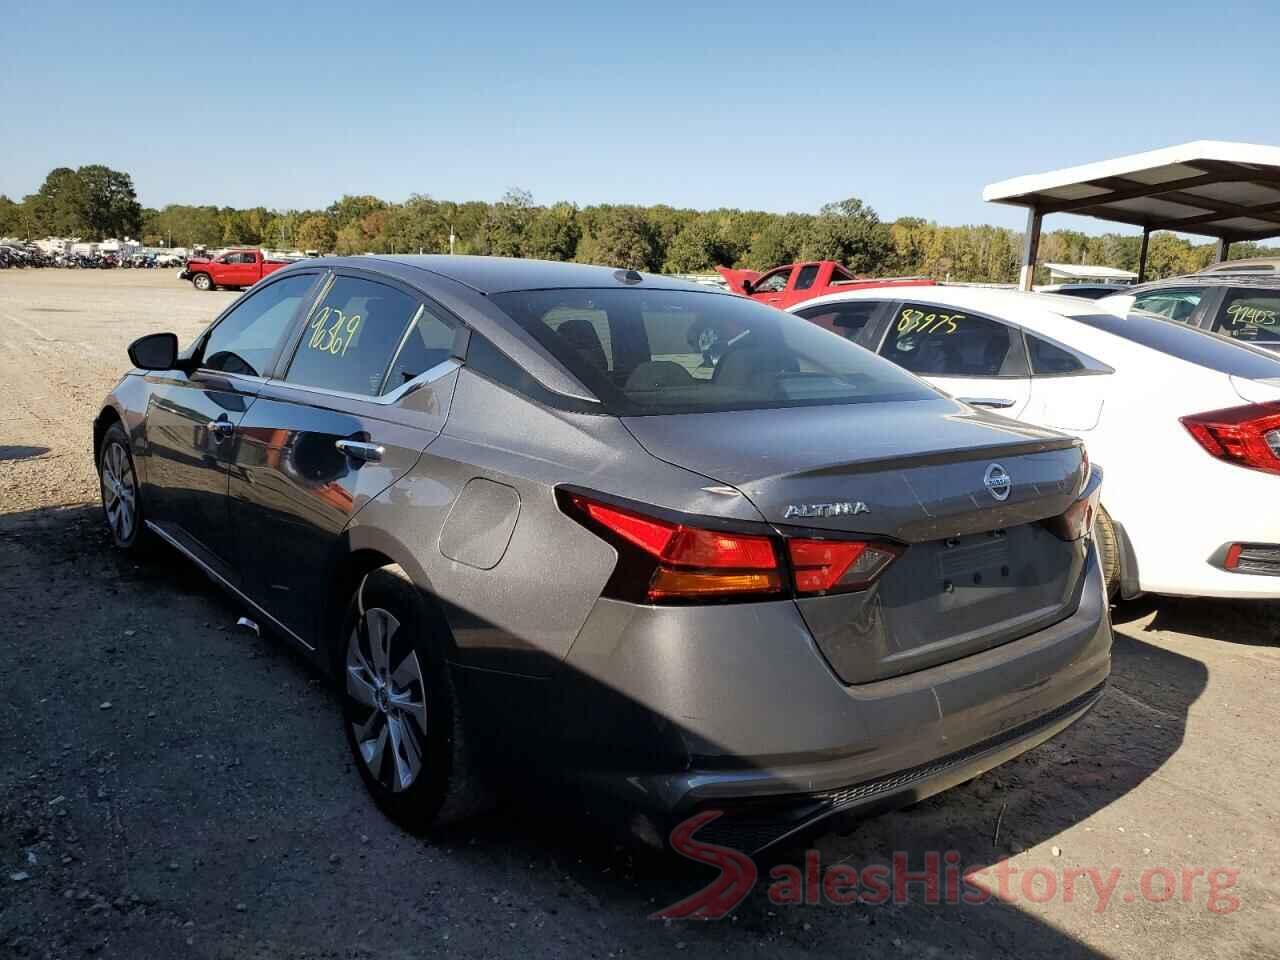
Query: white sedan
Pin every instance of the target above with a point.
(1185, 424)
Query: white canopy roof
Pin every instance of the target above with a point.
(1083, 271)
(1211, 187)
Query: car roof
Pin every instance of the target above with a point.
(1221, 279)
(1244, 264)
(490, 275)
(993, 299)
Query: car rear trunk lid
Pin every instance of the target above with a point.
(979, 569)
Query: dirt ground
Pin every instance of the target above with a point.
(172, 787)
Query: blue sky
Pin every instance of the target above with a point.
(912, 106)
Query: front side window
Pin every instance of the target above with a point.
(675, 351)
(808, 273)
(353, 331)
(847, 319)
(245, 340)
(774, 282)
(947, 342)
(1179, 304)
(1251, 316)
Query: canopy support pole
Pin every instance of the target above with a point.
(1142, 255)
(1030, 248)
(1224, 248)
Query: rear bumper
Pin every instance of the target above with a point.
(755, 827)
(757, 725)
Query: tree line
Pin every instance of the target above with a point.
(95, 202)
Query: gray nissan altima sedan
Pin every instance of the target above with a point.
(675, 548)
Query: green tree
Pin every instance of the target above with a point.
(553, 233)
(848, 231)
(620, 237)
(503, 232)
(698, 246)
(317, 233)
(110, 204)
(58, 206)
(351, 209)
(778, 241)
(11, 221)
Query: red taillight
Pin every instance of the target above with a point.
(689, 562)
(666, 560)
(1248, 436)
(823, 566)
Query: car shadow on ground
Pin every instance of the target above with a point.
(572, 873)
(1254, 623)
(21, 452)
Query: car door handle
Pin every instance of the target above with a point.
(221, 429)
(995, 403)
(357, 450)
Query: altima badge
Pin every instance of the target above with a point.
(842, 508)
(998, 482)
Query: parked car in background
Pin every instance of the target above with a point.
(784, 286)
(1185, 424)
(525, 527)
(1087, 291)
(1263, 265)
(234, 269)
(1243, 307)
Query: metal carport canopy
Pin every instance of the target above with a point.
(1226, 190)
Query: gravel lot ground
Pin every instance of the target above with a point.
(170, 787)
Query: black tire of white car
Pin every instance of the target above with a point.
(445, 788)
(1104, 533)
(202, 281)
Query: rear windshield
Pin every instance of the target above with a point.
(673, 351)
(1188, 343)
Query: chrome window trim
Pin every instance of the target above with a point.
(224, 582)
(441, 369)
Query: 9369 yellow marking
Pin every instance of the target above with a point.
(333, 338)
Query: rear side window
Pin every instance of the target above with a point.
(245, 340)
(1048, 360)
(942, 342)
(1187, 343)
(353, 331)
(1250, 316)
(677, 351)
(806, 276)
(1176, 304)
(847, 318)
(427, 343)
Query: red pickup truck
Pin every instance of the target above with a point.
(233, 269)
(783, 286)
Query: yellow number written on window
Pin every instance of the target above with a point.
(332, 331)
(917, 321)
(1245, 312)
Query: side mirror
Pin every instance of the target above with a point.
(747, 289)
(155, 351)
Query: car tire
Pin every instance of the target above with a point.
(121, 492)
(202, 281)
(400, 711)
(1104, 532)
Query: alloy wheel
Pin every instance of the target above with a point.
(384, 679)
(119, 491)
